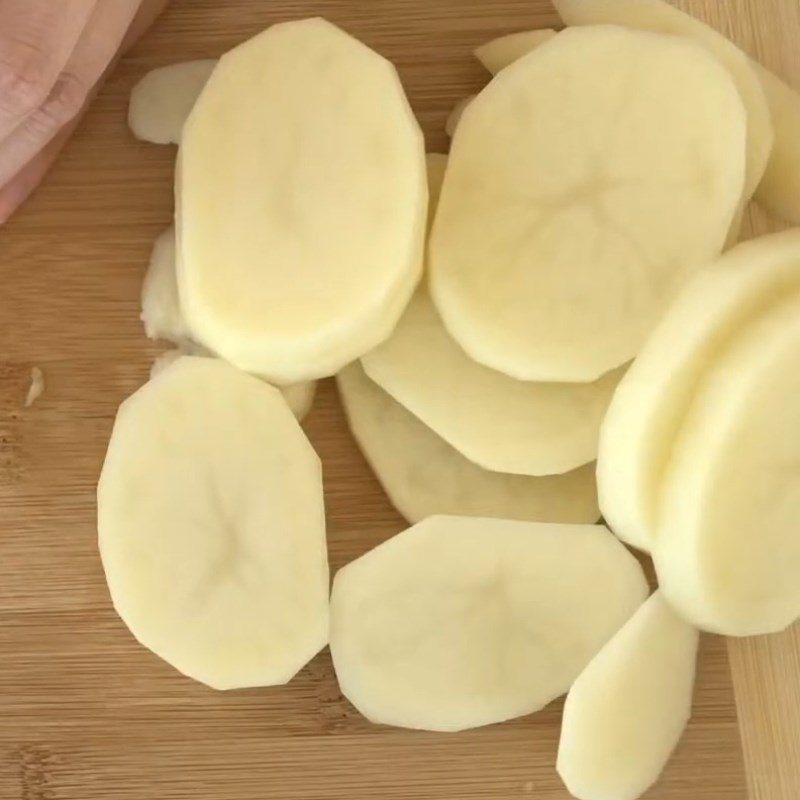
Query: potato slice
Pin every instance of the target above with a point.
(661, 17)
(499, 53)
(501, 424)
(454, 117)
(627, 710)
(435, 166)
(650, 403)
(424, 476)
(212, 527)
(461, 621)
(551, 256)
(726, 549)
(162, 100)
(321, 243)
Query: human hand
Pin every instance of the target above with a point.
(53, 56)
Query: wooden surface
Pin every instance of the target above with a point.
(85, 713)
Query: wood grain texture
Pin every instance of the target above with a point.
(85, 713)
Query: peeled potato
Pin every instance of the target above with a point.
(454, 117)
(212, 527)
(461, 621)
(726, 550)
(652, 399)
(161, 101)
(424, 476)
(499, 53)
(627, 710)
(321, 243)
(435, 166)
(587, 180)
(501, 424)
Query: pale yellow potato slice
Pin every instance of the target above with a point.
(435, 165)
(727, 551)
(499, 53)
(212, 527)
(424, 476)
(461, 621)
(162, 100)
(661, 17)
(627, 710)
(500, 423)
(553, 255)
(648, 408)
(454, 117)
(304, 137)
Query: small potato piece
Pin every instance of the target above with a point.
(212, 527)
(162, 100)
(552, 257)
(461, 621)
(627, 710)
(454, 117)
(435, 164)
(501, 424)
(648, 408)
(424, 476)
(499, 53)
(726, 549)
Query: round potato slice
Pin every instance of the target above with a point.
(321, 241)
(424, 476)
(212, 527)
(585, 182)
(647, 410)
(501, 424)
(162, 100)
(498, 53)
(726, 549)
(461, 621)
(627, 710)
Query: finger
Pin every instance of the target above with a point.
(146, 16)
(36, 39)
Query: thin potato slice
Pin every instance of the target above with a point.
(435, 166)
(321, 243)
(501, 424)
(461, 621)
(424, 476)
(553, 256)
(212, 527)
(651, 401)
(726, 549)
(454, 117)
(627, 710)
(498, 53)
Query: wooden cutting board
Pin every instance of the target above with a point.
(85, 712)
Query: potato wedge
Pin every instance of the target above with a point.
(499, 53)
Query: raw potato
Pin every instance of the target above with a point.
(501, 424)
(424, 476)
(435, 166)
(661, 17)
(461, 621)
(627, 710)
(499, 53)
(726, 550)
(212, 527)
(162, 100)
(321, 243)
(586, 182)
(454, 117)
(647, 410)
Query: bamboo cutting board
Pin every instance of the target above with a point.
(87, 714)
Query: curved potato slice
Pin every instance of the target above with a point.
(454, 117)
(424, 476)
(650, 403)
(726, 549)
(627, 710)
(552, 258)
(461, 621)
(435, 166)
(499, 53)
(212, 527)
(501, 424)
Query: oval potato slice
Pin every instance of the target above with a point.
(461, 621)
(499, 53)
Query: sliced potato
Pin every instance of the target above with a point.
(424, 476)
(584, 184)
(454, 117)
(499, 53)
(726, 549)
(162, 100)
(435, 166)
(461, 621)
(321, 243)
(651, 401)
(212, 527)
(627, 710)
(501, 424)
